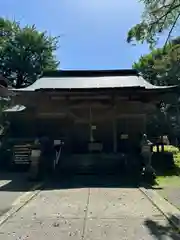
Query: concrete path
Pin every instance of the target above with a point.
(88, 213)
(172, 194)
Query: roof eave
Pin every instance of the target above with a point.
(155, 88)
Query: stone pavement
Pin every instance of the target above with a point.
(171, 194)
(88, 213)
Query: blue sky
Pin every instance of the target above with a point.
(93, 32)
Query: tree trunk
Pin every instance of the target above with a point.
(19, 80)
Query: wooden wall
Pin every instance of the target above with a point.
(72, 119)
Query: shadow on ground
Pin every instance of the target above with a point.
(14, 182)
(92, 181)
(19, 181)
(160, 231)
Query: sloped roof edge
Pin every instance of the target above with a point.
(16, 108)
(91, 79)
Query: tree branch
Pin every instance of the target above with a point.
(157, 10)
(170, 9)
(160, 8)
(169, 34)
(165, 15)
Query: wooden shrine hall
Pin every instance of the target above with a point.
(90, 110)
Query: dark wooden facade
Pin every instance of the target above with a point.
(102, 110)
(108, 118)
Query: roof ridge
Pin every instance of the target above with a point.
(91, 73)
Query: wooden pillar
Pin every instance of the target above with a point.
(145, 123)
(90, 125)
(114, 135)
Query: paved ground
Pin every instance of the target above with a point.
(172, 194)
(65, 211)
(12, 186)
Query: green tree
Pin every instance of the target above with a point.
(25, 52)
(158, 16)
(161, 66)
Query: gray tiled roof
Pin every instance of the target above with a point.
(91, 81)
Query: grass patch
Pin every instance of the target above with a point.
(165, 181)
(168, 148)
(172, 178)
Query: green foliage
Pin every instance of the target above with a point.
(161, 66)
(158, 16)
(25, 52)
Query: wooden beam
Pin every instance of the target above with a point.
(130, 116)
